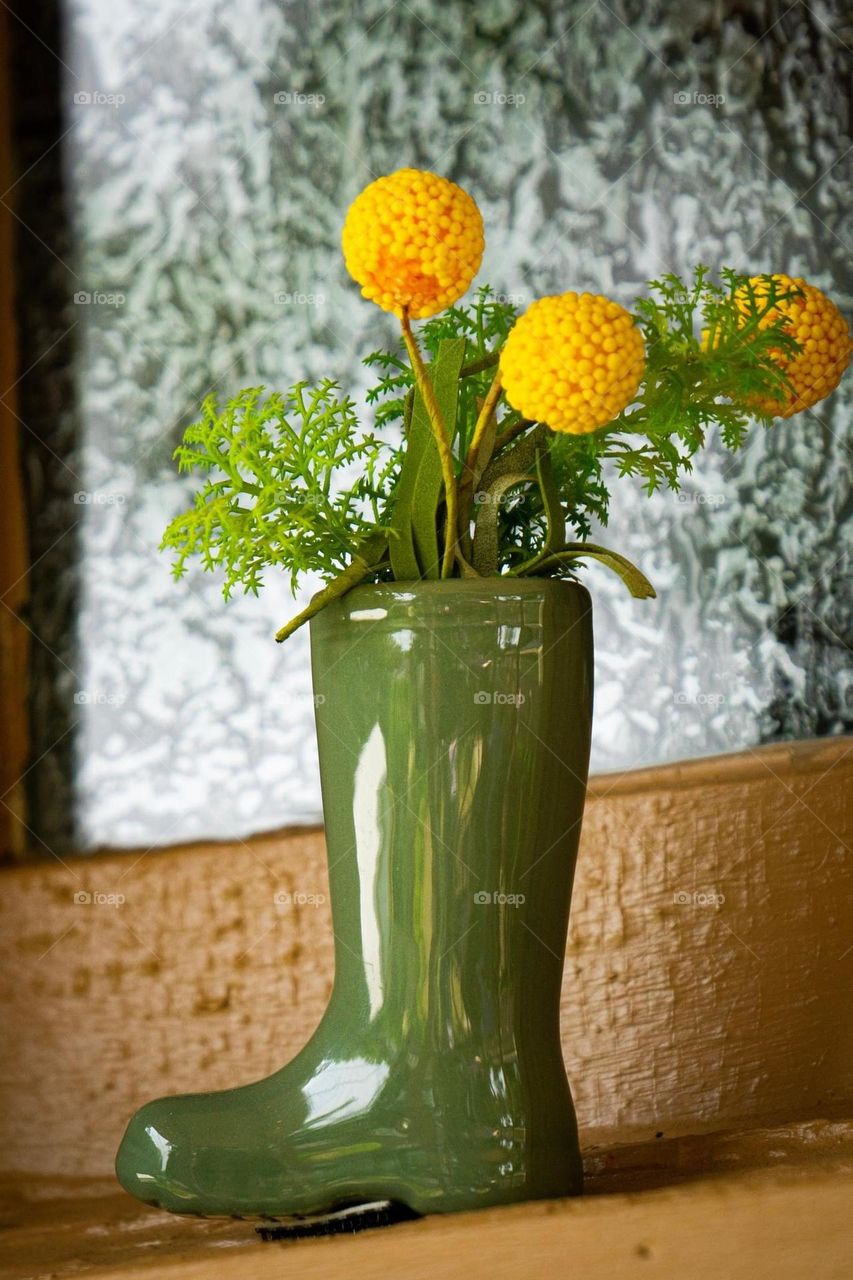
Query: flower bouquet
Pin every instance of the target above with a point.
(452, 664)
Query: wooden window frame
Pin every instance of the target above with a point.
(14, 636)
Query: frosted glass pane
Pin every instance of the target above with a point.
(595, 142)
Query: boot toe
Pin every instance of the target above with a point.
(147, 1160)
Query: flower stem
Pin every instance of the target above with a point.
(442, 440)
(486, 411)
(479, 366)
(509, 435)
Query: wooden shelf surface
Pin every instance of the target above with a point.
(774, 1203)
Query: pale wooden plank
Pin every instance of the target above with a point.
(767, 1203)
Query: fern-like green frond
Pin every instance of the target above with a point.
(272, 494)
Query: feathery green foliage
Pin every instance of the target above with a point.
(268, 498)
(691, 383)
(294, 482)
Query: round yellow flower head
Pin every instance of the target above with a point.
(573, 361)
(413, 239)
(821, 330)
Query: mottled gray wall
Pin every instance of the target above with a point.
(605, 143)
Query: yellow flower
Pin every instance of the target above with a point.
(820, 329)
(413, 239)
(573, 361)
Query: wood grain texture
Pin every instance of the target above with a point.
(771, 1203)
(676, 1015)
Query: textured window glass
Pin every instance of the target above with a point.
(207, 175)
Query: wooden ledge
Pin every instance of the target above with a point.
(770, 1204)
(781, 760)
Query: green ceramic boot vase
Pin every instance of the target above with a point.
(453, 721)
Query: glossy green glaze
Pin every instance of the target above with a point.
(453, 721)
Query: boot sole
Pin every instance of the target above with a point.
(347, 1220)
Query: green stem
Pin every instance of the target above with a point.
(486, 411)
(528, 567)
(636, 581)
(479, 366)
(516, 429)
(365, 561)
(479, 455)
(442, 440)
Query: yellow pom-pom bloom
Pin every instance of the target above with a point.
(573, 361)
(413, 239)
(820, 329)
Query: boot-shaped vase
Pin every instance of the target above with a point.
(453, 721)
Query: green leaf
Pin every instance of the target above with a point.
(470, 480)
(415, 550)
(512, 466)
(555, 516)
(520, 456)
(486, 535)
(636, 581)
